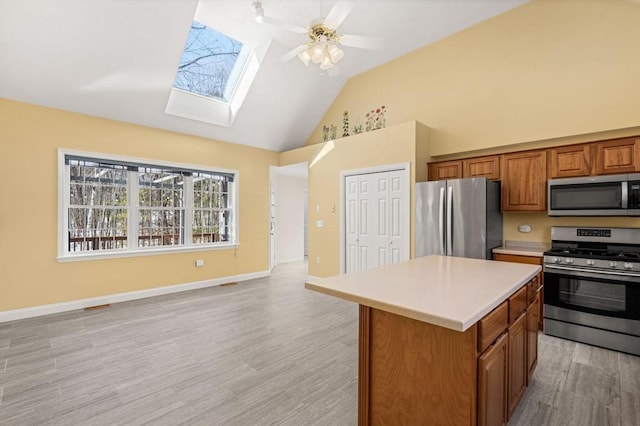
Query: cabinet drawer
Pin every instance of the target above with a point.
(492, 325)
(517, 303)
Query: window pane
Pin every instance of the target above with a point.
(97, 229)
(97, 213)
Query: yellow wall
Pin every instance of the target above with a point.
(547, 69)
(402, 143)
(29, 272)
(541, 224)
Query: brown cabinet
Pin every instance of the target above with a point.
(488, 167)
(445, 170)
(506, 364)
(570, 161)
(617, 156)
(524, 181)
(517, 349)
(539, 283)
(492, 384)
(533, 318)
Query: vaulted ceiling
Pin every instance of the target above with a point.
(118, 59)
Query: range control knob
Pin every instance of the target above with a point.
(554, 259)
(613, 264)
(591, 262)
(568, 260)
(628, 265)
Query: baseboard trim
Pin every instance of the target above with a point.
(73, 305)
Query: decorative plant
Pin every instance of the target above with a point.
(375, 119)
(345, 124)
(325, 133)
(334, 132)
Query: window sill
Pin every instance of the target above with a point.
(150, 251)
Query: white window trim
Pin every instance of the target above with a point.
(63, 201)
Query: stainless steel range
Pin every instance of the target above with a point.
(592, 286)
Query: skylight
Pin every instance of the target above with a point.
(211, 63)
(216, 69)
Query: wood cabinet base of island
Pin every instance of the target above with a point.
(413, 372)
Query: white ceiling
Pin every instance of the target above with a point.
(118, 59)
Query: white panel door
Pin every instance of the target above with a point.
(376, 220)
(351, 223)
(398, 217)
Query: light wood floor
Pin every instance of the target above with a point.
(265, 351)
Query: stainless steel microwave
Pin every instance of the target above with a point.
(612, 195)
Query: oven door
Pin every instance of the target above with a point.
(601, 293)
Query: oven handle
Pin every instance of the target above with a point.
(581, 272)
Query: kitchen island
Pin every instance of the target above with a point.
(442, 340)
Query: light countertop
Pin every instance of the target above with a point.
(451, 292)
(523, 248)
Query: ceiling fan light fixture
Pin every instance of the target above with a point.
(326, 63)
(318, 53)
(335, 53)
(305, 57)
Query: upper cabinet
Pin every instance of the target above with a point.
(524, 174)
(617, 156)
(524, 183)
(488, 167)
(570, 161)
(445, 170)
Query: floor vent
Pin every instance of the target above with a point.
(93, 308)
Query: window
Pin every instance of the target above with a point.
(116, 206)
(211, 63)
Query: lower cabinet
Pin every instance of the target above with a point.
(492, 384)
(517, 362)
(509, 354)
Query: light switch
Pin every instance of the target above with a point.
(319, 224)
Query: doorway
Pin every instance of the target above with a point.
(288, 219)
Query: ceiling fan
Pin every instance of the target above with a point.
(324, 43)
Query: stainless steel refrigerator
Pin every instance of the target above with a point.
(459, 217)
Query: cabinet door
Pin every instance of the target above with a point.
(445, 170)
(488, 167)
(524, 183)
(570, 161)
(492, 384)
(517, 379)
(617, 156)
(533, 316)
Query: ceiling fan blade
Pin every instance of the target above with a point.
(284, 25)
(292, 53)
(361, 42)
(337, 14)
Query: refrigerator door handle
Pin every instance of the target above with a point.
(441, 220)
(449, 221)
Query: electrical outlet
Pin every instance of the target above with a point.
(199, 263)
